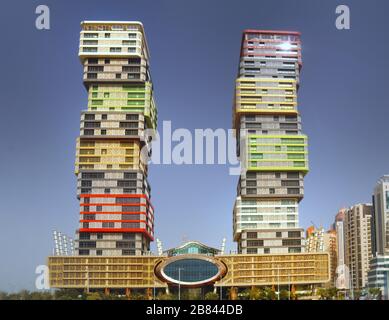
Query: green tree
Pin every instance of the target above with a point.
(69, 294)
(138, 296)
(284, 294)
(3, 295)
(254, 293)
(322, 293)
(269, 294)
(44, 295)
(375, 293)
(165, 296)
(211, 296)
(94, 296)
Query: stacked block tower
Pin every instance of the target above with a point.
(116, 215)
(270, 144)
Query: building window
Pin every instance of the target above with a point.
(83, 252)
(272, 191)
(255, 243)
(251, 235)
(90, 217)
(103, 117)
(108, 225)
(84, 236)
(99, 252)
(294, 234)
(99, 208)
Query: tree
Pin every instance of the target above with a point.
(138, 296)
(254, 293)
(269, 294)
(284, 294)
(165, 296)
(332, 293)
(94, 296)
(3, 295)
(211, 296)
(323, 293)
(44, 295)
(375, 293)
(69, 294)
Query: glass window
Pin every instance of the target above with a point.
(191, 270)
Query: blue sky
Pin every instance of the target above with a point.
(194, 58)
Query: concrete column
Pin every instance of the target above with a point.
(233, 293)
(149, 293)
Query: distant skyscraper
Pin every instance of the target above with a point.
(343, 275)
(380, 228)
(116, 216)
(357, 231)
(270, 144)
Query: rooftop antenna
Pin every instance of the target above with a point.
(63, 245)
(223, 246)
(159, 247)
(56, 244)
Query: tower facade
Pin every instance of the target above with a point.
(357, 237)
(380, 226)
(116, 215)
(270, 143)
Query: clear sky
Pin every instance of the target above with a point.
(194, 47)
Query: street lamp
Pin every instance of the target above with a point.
(179, 283)
(221, 288)
(278, 281)
(289, 285)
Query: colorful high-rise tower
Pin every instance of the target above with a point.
(270, 144)
(116, 216)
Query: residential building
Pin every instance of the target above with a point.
(357, 236)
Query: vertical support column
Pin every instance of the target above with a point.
(149, 294)
(233, 293)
